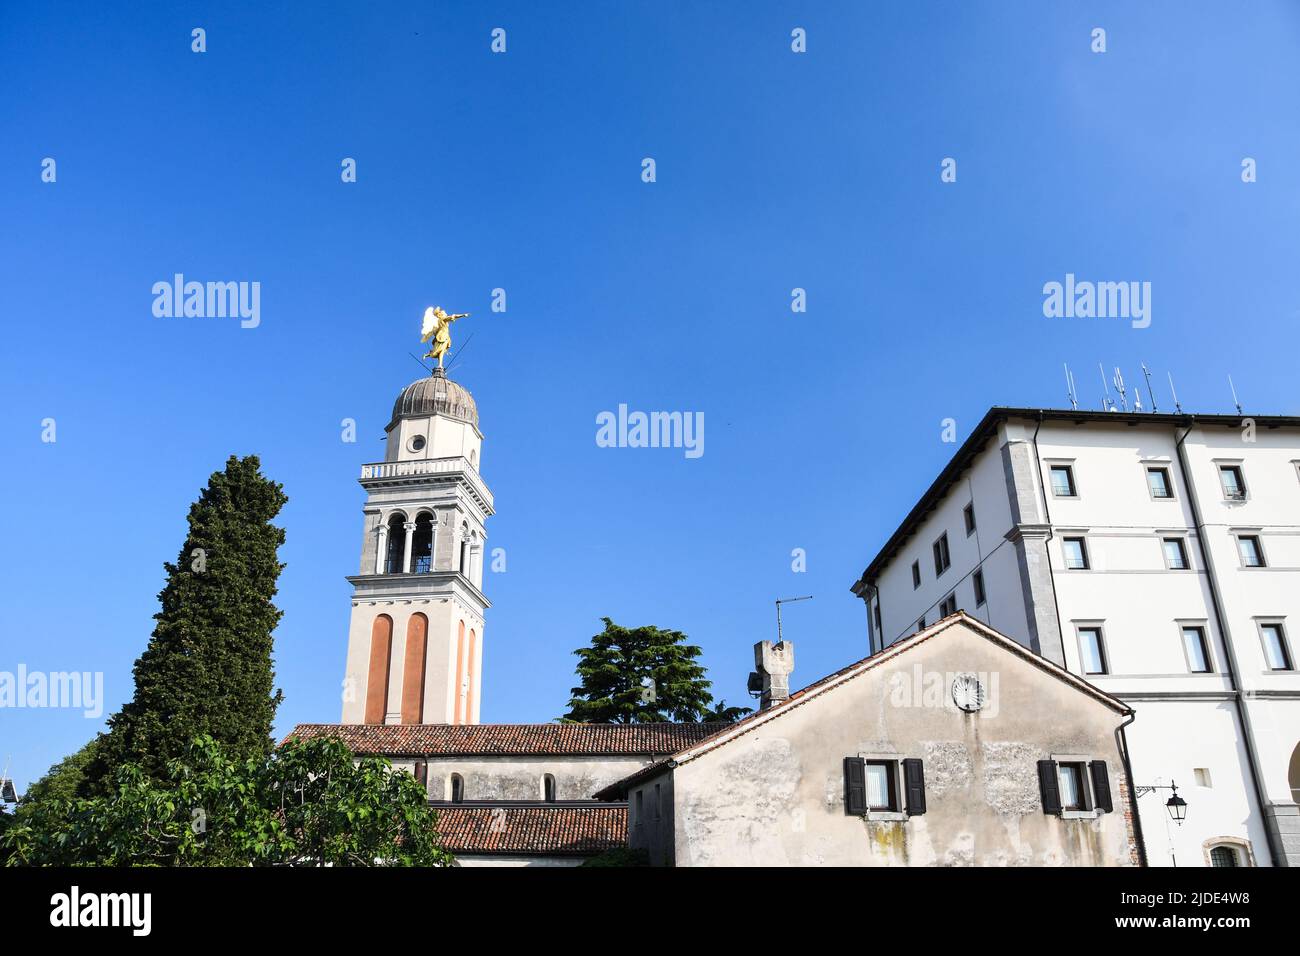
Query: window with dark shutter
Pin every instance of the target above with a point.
(855, 786)
(914, 786)
(1050, 786)
(1101, 786)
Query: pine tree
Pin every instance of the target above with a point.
(638, 675)
(207, 669)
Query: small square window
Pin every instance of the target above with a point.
(1234, 485)
(1223, 856)
(882, 785)
(980, 597)
(916, 575)
(920, 625)
(1202, 777)
(949, 606)
(1252, 555)
(1063, 481)
(969, 514)
(1197, 650)
(1076, 554)
(1074, 787)
(1276, 653)
(941, 557)
(1092, 650)
(1158, 483)
(1175, 554)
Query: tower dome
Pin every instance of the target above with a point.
(435, 395)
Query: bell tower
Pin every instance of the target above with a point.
(415, 645)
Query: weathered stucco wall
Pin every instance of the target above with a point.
(775, 796)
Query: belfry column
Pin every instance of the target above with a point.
(410, 540)
(381, 551)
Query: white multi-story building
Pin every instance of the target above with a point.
(1159, 557)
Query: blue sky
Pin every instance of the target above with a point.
(522, 171)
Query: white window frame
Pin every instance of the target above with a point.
(968, 518)
(1085, 786)
(1181, 538)
(1204, 628)
(916, 574)
(941, 544)
(1103, 650)
(1283, 635)
(1082, 538)
(1148, 466)
(1074, 478)
(1259, 549)
(1221, 464)
(895, 764)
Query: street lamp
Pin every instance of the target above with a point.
(1176, 805)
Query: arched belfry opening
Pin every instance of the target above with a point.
(422, 543)
(396, 544)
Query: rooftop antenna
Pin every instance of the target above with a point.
(1106, 404)
(780, 601)
(1234, 394)
(1178, 408)
(422, 365)
(1069, 389)
(1119, 387)
(1147, 373)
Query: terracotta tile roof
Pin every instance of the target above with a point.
(533, 831)
(511, 739)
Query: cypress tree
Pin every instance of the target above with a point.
(207, 669)
(634, 675)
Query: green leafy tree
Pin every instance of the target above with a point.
(638, 675)
(307, 804)
(207, 669)
(62, 781)
(722, 714)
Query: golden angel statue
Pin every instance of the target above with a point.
(437, 325)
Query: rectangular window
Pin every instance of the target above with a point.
(1175, 554)
(1198, 652)
(1063, 481)
(1076, 554)
(1202, 777)
(949, 606)
(876, 613)
(980, 597)
(1092, 650)
(1074, 794)
(882, 786)
(916, 575)
(920, 625)
(1234, 485)
(1158, 482)
(1276, 653)
(1252, 555)
(941, 558)
(969, 514)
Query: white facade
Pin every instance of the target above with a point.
(1223, 722)
(415, 643)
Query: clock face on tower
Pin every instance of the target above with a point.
(968, 692)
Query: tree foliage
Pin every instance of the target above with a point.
(304, 804)
(207, 669)
(638, 675)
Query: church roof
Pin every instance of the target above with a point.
(534, 830)
(435, 395)
(407, 740)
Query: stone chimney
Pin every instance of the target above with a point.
(771, 678)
